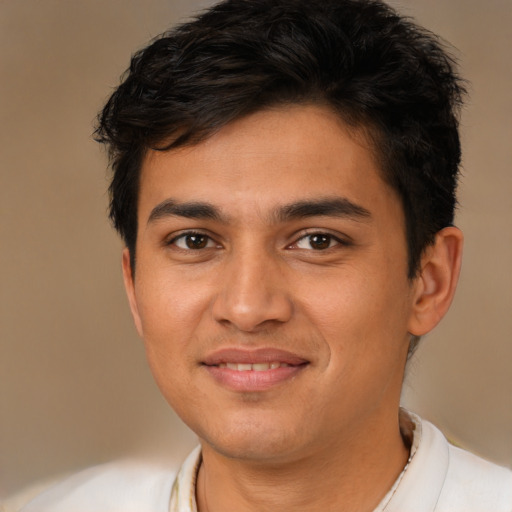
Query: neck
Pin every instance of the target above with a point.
(353, 474)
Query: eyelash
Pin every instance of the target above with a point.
(186, 234)
(329, 236)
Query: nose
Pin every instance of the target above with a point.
(254, 294)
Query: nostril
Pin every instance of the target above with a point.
(251, 312)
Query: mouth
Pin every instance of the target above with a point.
(253, 370)
(255, 367)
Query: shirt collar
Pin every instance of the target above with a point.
(183, 494)
(417, 488)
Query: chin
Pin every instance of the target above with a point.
(250, 439)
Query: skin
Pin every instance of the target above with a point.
(329, 287)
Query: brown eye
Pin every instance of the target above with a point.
(196, 241)
(319, 242)
(193, 241)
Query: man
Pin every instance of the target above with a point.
(284, 182)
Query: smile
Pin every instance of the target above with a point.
(256, 367)
(254, 370)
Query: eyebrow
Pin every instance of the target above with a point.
(326, 207)
(189, 210)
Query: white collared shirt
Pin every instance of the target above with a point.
(438, 478)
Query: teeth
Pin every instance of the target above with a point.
(257, 367)
(261, 367)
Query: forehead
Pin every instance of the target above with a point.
(266, 159)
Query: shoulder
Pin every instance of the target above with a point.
(443, 478)
(125, 486)
(471, 483)
(471, 480)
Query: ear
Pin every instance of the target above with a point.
(129, 286)
(435, 285)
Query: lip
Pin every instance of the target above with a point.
(253, 380)
(260, 355)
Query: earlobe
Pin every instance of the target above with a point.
(129, 286)
(436, 283)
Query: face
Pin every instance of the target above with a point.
(271, 285)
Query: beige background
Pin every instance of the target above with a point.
(75, 389)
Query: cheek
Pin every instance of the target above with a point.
(168, 306)
(171, 310)
(341, 303)
(168, 318)
(356, 311)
